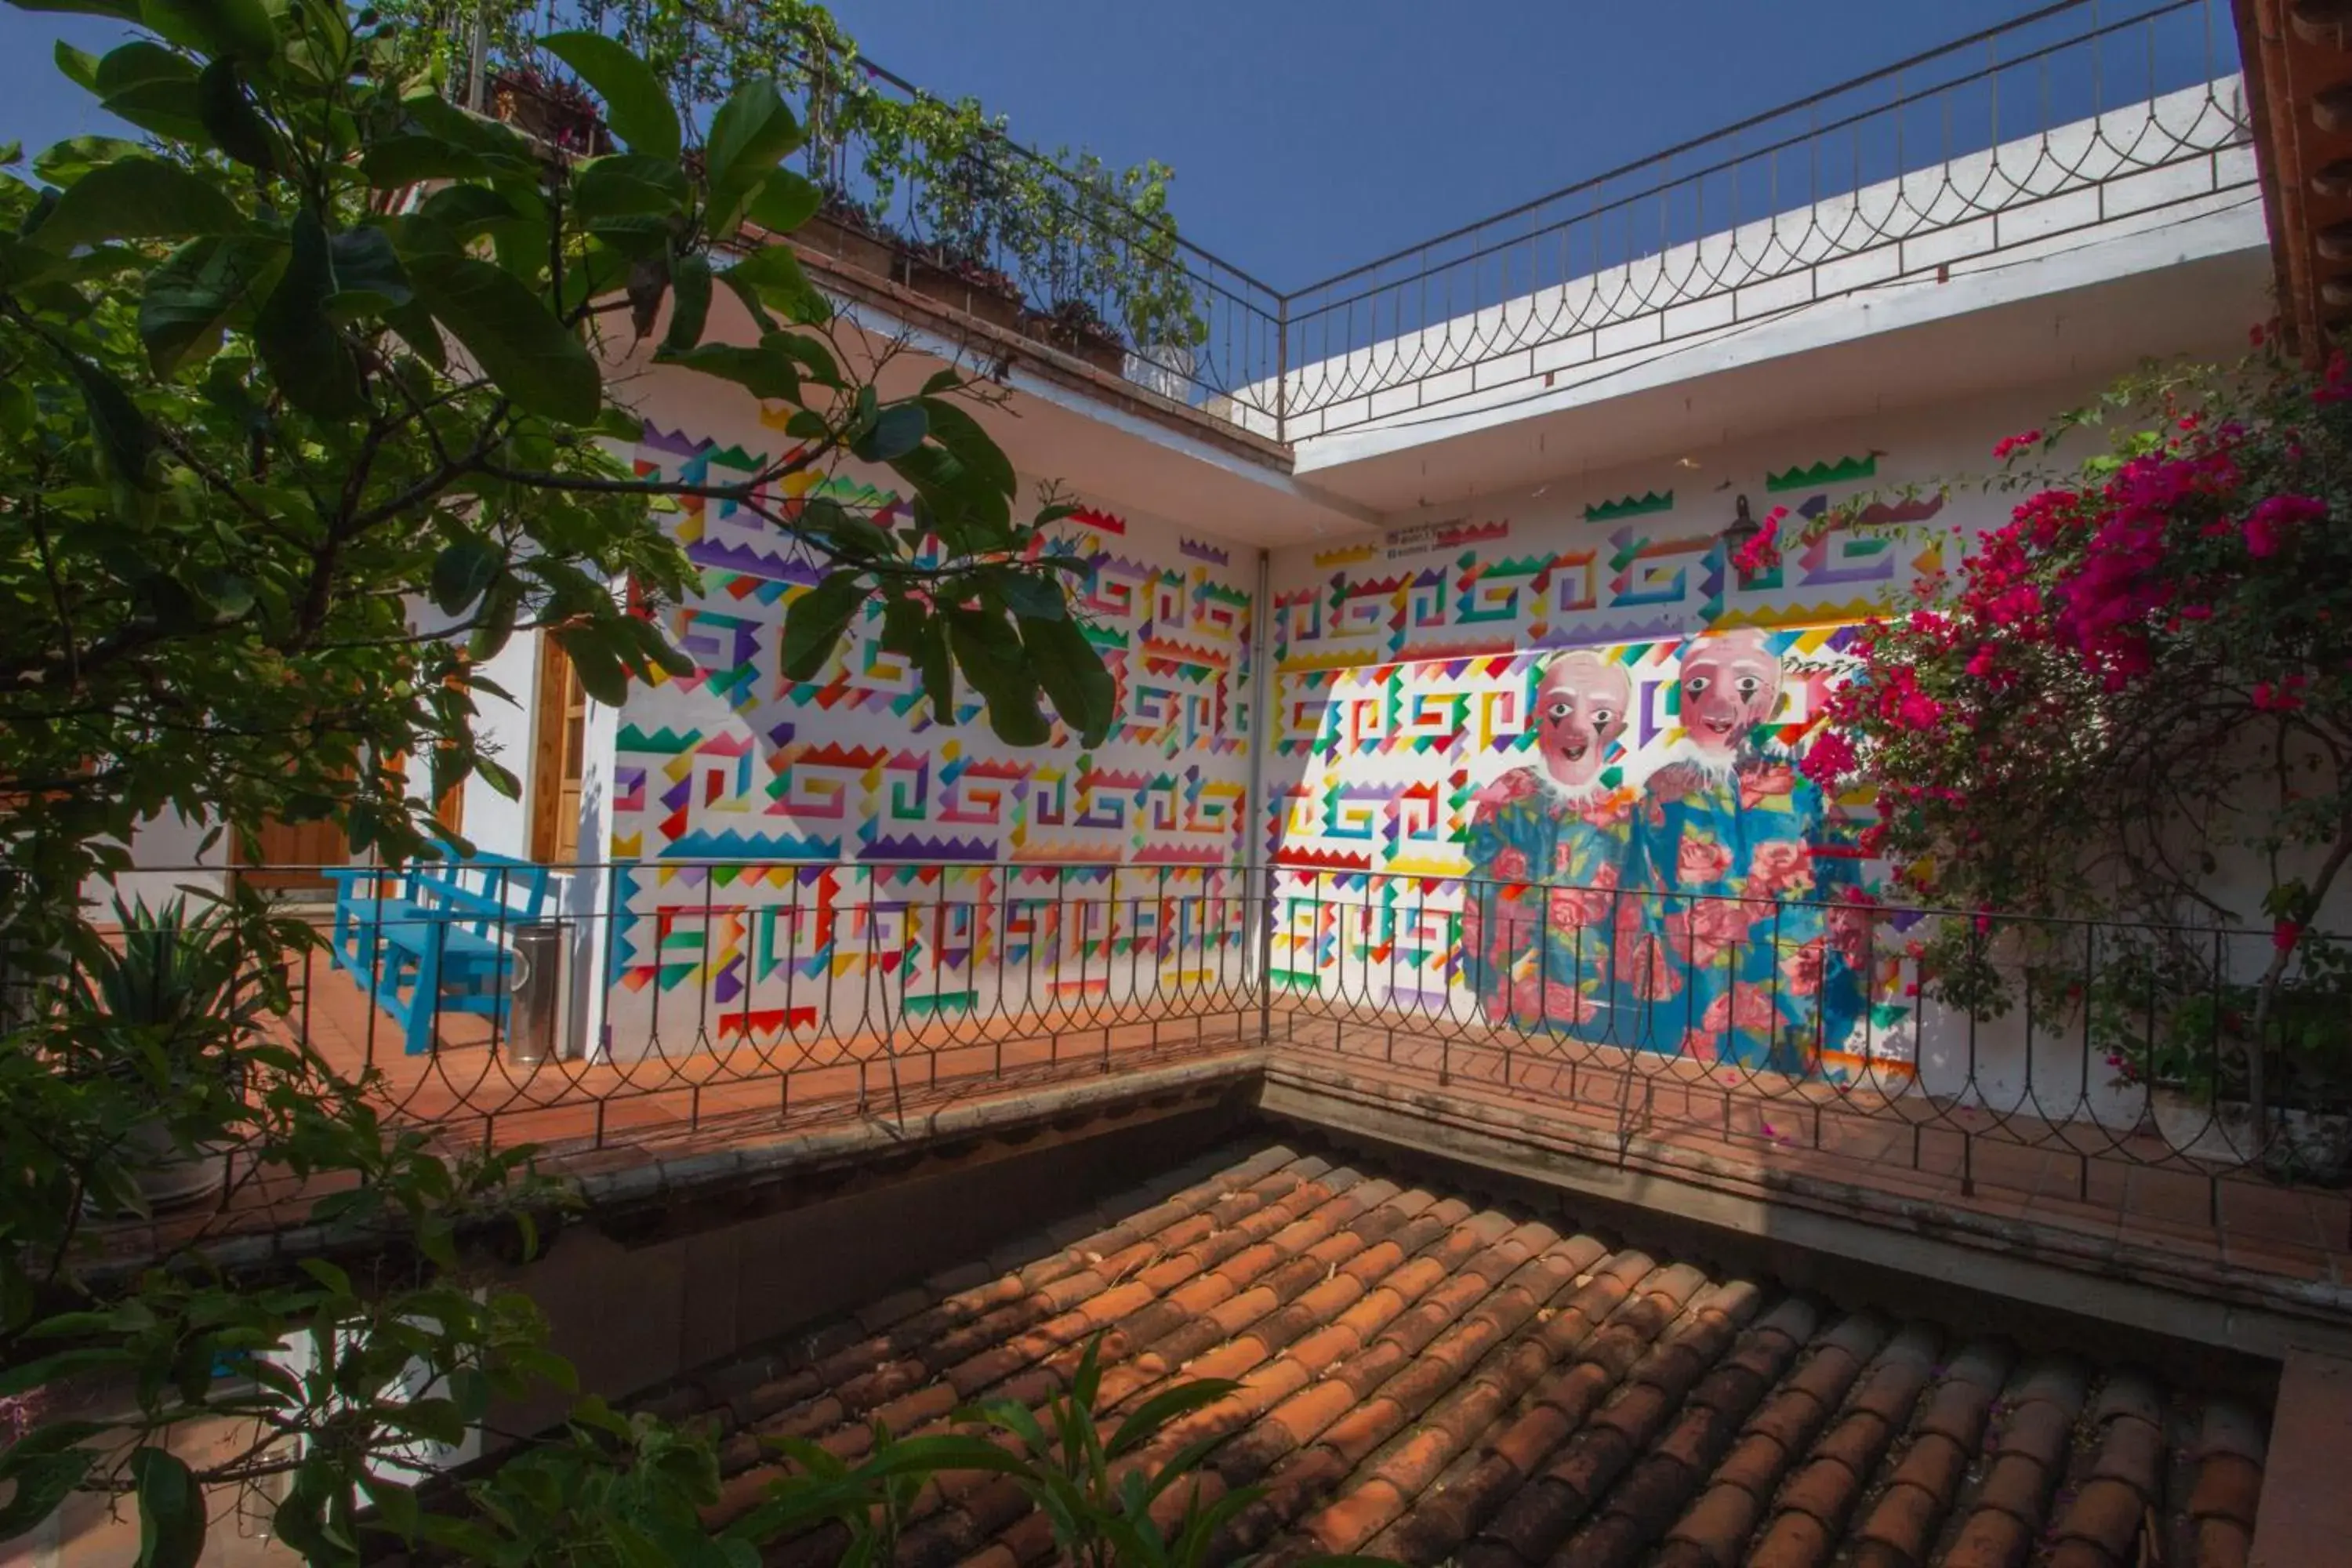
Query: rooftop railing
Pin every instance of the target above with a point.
(2003, 143)
(2016, 137)
(2099, 1064)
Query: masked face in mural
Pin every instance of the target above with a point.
(1730, 684)
(1579, 709)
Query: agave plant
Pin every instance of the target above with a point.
(169, 968)
(169, 988)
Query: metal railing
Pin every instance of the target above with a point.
(1057, 250)
(2001, 145)
(2053, 1057)
(2015, 137)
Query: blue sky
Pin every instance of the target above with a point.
(1308, 135)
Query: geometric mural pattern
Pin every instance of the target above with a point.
(786, 839)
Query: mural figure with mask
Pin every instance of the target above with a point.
(1548, 843)
(1737, 946)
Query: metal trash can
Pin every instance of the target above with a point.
(535, 992)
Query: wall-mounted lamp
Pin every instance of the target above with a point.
(1744, 528)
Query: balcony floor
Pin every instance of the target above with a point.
(2074, 1195)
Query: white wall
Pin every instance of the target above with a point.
(792, 853)
(1404, 670)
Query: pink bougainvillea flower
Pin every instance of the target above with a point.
(2268, 524)
(2009, 445)
(1829, 759)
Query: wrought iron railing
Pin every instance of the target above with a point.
(577, 1006)
(2071, 117)
(1997, 145)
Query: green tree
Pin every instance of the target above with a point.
(308, 403)
(329, 351)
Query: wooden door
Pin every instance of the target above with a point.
(291, 853)
(560, 724)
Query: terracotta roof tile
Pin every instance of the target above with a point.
(1434, 1380)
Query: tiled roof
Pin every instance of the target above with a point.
(1430, 1380)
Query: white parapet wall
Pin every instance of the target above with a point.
(2102, 197)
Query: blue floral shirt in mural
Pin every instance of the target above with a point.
(1745, 946)
(1541, 918)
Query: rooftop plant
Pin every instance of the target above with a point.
(943, 177)
(304, 415)
(2129, 699)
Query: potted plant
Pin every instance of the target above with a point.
(847, 231)
(1064, 230)
(2190, 1040)
(959, 207)
(549, 108)
(160, 1009)
(1157, 295)
(1073, 326)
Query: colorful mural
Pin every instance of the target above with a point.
(1556, 788)
(790, 849)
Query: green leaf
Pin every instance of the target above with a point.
(750, 135)
(125, 439)
(628, 184)
(1073, 676)
(970, 445)
(784, 202)
(170, 1511)
(815, 621)
(239, 29)
(413, 158)
(463, 573)
(434, 1420)
(602, 674)
(990, 654)
(306, 355)
(454, 216)
(774, 273)
(415, 326)
(494, 625)
(137, 198)
(810, 353)
(896, 431)
(762, 371)
(369, 279)
(230, 119)
(851, 532)
(191, 297)
(44, 1481)
(689, 301)
(173, 111)
(530, 357)
(636, 107)
(971, 513)
(756, 307)
(1165, 1406)
(1027, 593)
(79, 67)
(936, 667)
(139, 61)
(394, 1503)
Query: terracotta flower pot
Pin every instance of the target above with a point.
(850, 245)
(959, 292)
(1100, 350)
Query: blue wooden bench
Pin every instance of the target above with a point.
(434, 937)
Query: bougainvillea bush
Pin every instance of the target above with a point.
(2131, 702)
